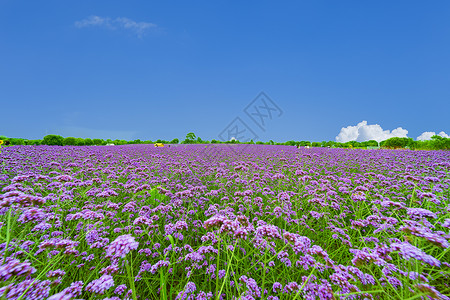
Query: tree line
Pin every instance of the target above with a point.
(436, 142)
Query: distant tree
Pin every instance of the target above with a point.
(371, 143)
(190, 138)
(396, 142)
(33, 142)
(316, 144)
(88, 142)
(137, 141)
(53, 140)
(439, 143)
(70, 141)
(174, 141)
(99, 142)
(79, 142)
(17, 141)
(304, 143)
(291, 143)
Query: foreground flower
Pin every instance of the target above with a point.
(14, 267)
(99, 286)
(121, 246)
(409, 251)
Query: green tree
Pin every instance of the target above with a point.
(88, 142)
(291, 143)
(190, 136)
(304, 143)
(53, 140)
(70, 141)
(175, 141)
(98, 142)
(79, 142)
(440, 143)
(17, 141)
(396, 142)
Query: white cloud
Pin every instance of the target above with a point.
(428, 134)
(137, 28)
(443, 134)
(364, 132)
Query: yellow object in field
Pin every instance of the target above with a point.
(159, 145)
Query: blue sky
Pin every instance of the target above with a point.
(161, 69)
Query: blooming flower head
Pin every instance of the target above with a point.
(27, 289)
(13, 267)
(409, 251)
(99, 286)
(121, 246)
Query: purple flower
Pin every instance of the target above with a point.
(188, 289)
(120, 289)
(291, 287)
(13, 267)
(270, 231)
(420, 213)
(56, 273)
(252, 286)
(99, 286)
(35, 289)
(61, 296)
(430, 291)
(409, 251)
(277, 286)
(75, 288)
(121, 246)
(92, 236)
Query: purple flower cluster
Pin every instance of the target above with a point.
(121, 246)
(101, 285)
(257, 221)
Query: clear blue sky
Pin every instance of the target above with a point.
(161, 69)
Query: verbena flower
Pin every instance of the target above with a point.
(99, 286)
(121, 246)
(13, 267)
(407, 251)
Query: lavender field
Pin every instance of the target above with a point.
(223, 222)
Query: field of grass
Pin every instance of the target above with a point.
(223, 222)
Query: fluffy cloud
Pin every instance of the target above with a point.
(137, 28)
(364, 132)
(428, 134)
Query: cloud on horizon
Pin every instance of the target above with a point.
(137, 28)
(364, 132)
(428, 134)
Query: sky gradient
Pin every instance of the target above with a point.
(161, 69)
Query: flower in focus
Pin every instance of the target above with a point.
(121, 246)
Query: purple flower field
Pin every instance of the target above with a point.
(223, 222)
